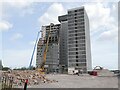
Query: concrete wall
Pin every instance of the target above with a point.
(63, 46)
(88, 44)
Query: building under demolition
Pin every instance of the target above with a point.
(69, 43)
(52, 59)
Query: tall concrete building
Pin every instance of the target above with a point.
(52, 58)
(79, 51)
(69, 43)
(76, 24)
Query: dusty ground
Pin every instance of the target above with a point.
(74, 81)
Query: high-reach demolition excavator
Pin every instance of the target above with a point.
(41, 68)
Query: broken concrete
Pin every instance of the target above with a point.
(34, 77)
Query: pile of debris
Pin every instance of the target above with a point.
(34, 77)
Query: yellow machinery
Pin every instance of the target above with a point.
(42, 69)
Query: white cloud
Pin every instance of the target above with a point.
(52, 13)
(16, 37)
(109, 35)
(4, 26)
(102, 19)
(19, 3)
(98, 15)
(22, 7)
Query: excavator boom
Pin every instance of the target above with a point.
(45, 52)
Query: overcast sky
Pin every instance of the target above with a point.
(21, 20)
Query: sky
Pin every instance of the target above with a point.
(22, 19)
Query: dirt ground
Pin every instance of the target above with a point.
(82, 81)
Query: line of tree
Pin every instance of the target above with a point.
(22, 68)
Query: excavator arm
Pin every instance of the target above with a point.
(42, 69)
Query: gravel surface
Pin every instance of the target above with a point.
(74, 81)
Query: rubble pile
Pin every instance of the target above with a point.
(34, 77)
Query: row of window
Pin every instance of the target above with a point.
(72, 30)
(76, 31)
(76, 34)
(75, 14)
(75, 20)
(78, 10)
(52, 27)
(76, 28)
(52, 40)
(79, 61)
(72, 49)
(76, 24)
(80, 41)
(77, 38)
(77, 64)
(80, 56)
(53, 37)
(80, 52)
(76, 41)
(76, 45)
(75, 17)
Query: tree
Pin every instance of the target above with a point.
(5, 68)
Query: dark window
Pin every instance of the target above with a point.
(76, 60)
(77, 49)
(76, 41)
(55, 39)
(76, 45)
(69, 11)
(75, 34)
(76, 56)
(76, 52)
(75, 10)
(76, 38)
(76, 64)
(75, 27)
(75, 30)
(75, 24)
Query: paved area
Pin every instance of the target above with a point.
(74, 81)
